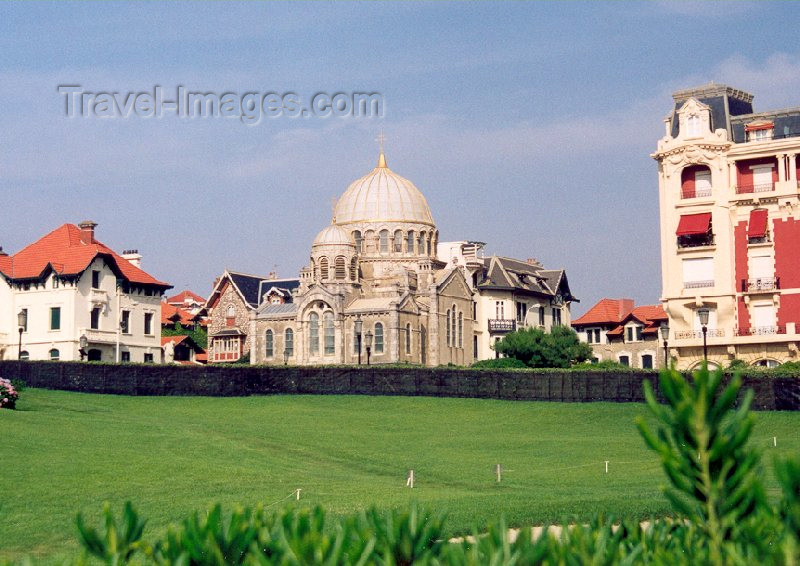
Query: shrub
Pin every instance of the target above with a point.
(603, 365)
(500, 363)
(559, 348)
(8, 394)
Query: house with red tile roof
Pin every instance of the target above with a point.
(188, 301)
(68, 296)
(619, 331)
(182, 350)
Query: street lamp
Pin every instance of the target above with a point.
(665, 337)
(368, 341)
(285, 356)
(702, 314)
(22, 322)
(84, 343)
(358, 325)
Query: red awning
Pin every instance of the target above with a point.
(757, 228)
(693, 224)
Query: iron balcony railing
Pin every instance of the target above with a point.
(696, 193)
(502, 325)
(760, 330)
(698, 284)
(760, 188)
(689, 334)
(758, 284)
(695, 241)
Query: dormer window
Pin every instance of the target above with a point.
(759, 131)
(693, 125)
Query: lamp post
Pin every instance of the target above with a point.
(285, 356)
(84, 343)
(358, 325)
(22, 322)
(665, 338)
(702, 314)
(368, 341)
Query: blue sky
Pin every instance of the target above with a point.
(526, 125)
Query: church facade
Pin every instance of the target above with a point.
(373, 269)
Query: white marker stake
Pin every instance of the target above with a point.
(775, 441)
(498, 470)
(606, 466)
(410, 480)
(298, 494)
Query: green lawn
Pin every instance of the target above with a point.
(67, 452)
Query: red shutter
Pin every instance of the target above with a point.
(757, 227)
(694, 224)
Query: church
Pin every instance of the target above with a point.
(374, 290)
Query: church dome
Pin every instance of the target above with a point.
(383, 196)
(333, 236)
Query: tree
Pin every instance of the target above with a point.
(559, 348)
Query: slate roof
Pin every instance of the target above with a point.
(249, 286)
(516, 275)
(63, 252)
(284, 309)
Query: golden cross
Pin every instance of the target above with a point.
(381, 139)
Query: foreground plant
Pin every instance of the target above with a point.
(8, 394)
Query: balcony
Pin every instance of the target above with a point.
(502, 325)
(748, 189)
(696, 193)
(759, 331)
(691, 334)
(101, 336)
(698, 284)
(695, 241)
(761, 284)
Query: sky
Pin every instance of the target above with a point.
(526, 125)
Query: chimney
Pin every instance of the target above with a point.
(133, 257)
(625, 306)
(273, 275)
(87, 231)
(534, 262)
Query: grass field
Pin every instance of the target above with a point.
(62, 453)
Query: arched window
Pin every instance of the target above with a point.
(408, 338)
(288, 342)
(461, 330)
(410, 242)
(269, 346)
(384, 240)
(420, 240)
(354, 270)
(695, 181)
(378, 338)
(54, 354)
(330, 338)
(369, 241)
(447, 327)
(398, 241)
(359, 241)
(423, 243)
(313, 333)
(340, 269)
(323, 268)
(453, 323)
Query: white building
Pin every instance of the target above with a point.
(78, 300)
(508, 294)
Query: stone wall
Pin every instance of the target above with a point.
(771, 393)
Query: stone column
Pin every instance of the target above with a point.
(394, 333)
(793, 167)
(781, 167)
(732, 176)
(433, 329)
(254, 353)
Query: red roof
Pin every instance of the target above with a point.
(65, 252)
(181, 297)
(757, 227)
(606, 311)
(170, 314)
(692, 224)
(177, 339)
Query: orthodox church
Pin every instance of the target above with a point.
(373, 288)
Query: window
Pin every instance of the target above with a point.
(695, 181)
(410, 242)
(329, 333)
(378, 338)
(698, 272)
(55, 318)
(269, 347)
(647, 361)
(354, 270)
(340, 269)
(383, 237)
(474, 347)
(556, 317)
(447, 327)
(25, 326)
(639, 333)
(398, 241)
(55, 282)
(125, 322)
(541, 316)
(629, 334)
(125, 356)
(423, 243)
(408, 338)
(227, 349)
(95, 318)
(288, 342)
(313, 333)
(95, 279)
(148, 323)
(358, 240)
(148, 358)
(625, 360)
(474, 310)
(54, 354)
(761, 316)
(596, 335)
(499, 310)
(230, 316)
(522, 311)
(323, 268)
(693, 125)
(695, 230)
(461, 330)
(453, 331)
(24, 355)
(760, 134)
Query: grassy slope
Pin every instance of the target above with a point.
(67, 452)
